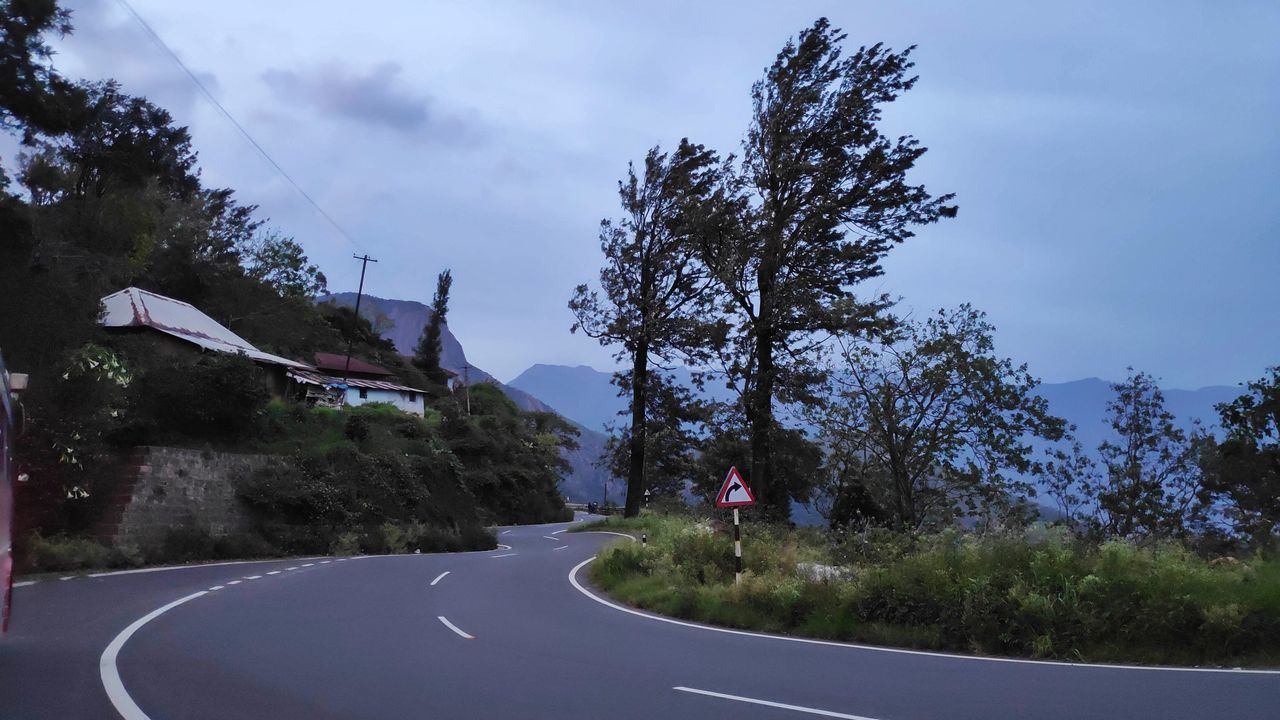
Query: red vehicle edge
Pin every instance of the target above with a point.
(9, 418)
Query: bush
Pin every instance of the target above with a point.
(1046, 595)
(61, 553)
(215, 398)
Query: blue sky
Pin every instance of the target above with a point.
(1116, 164)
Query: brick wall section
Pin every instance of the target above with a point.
(176, 487)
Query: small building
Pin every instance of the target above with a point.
(137, 310)
(322, 389)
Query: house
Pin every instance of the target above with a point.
(180, 323)
(322, 389)
(137, 310)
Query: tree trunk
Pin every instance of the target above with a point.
(772, 494)
(639, 427)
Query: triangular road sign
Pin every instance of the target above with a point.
(734, 492)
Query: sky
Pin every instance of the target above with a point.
(1116, 164)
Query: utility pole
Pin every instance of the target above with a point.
(466, 386)
(346, 368)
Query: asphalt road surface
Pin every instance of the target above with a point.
(511, 633)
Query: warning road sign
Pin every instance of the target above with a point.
(734, 492)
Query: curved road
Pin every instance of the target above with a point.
(505, 634)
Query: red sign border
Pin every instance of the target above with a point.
(724, 489)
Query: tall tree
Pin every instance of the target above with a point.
(1151, 472)
(1147, 477)
(827, 196)
(34, 98)
(670, 444)
(929, 423)
(1243, 471)
(426, 356)
(278, 260)
(655, 301)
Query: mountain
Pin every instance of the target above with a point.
(587, 396)
(402, 322)
(582, 393)
(1084, 404)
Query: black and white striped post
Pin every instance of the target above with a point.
(737, 549)
(734, 493)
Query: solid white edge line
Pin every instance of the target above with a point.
(110, 674)
(770, 703)
(573, 580)
(500, 547)
(166, 568)
(453, 627)
(439, 578)
(632, 538)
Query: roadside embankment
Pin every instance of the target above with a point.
(1038, 593)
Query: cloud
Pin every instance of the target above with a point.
(372, 98)
(108, 43)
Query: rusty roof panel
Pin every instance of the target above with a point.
(134, 307)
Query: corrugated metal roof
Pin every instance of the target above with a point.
(314, 378)
(337, 361)
(134, 307)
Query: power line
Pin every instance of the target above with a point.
(227, 114)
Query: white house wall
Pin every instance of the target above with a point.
(391, 397)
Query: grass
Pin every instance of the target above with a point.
(1037, 594)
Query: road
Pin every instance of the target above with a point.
(505, 634)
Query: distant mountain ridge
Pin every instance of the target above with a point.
(588, 396)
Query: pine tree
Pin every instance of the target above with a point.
(826, 196)
(426, 357)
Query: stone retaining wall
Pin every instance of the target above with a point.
(176, 487)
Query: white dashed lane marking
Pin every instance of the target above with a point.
(453, 627)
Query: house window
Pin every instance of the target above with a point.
(413, 397)
(364, 393)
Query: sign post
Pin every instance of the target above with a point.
(734, 493)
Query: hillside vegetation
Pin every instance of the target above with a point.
(1030, 593)
(107, 194)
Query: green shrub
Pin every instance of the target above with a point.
(345, 544)
(61, 553)
(1039, 594)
